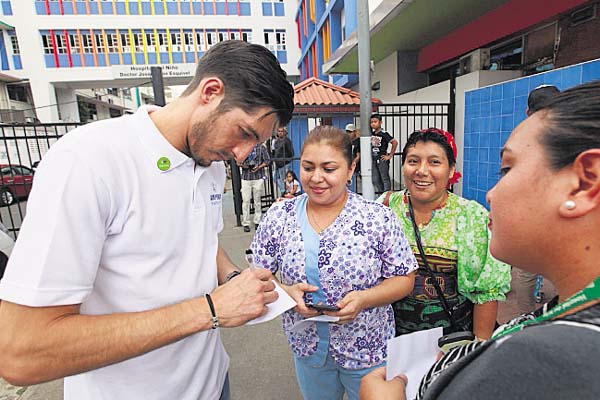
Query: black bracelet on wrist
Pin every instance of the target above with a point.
(215, 320)
(232, 275)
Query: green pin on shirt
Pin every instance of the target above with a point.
(163, 163)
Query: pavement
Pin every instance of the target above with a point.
(261, 361)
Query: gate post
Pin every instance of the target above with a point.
(236, 184)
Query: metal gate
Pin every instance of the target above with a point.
(22, 146)
(400, 120)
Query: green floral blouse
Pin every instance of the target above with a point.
(460, 227)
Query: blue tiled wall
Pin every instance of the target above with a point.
(492, 112)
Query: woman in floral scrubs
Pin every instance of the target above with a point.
(334, 247)
(455, 239)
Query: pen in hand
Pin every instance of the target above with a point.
(250, 259)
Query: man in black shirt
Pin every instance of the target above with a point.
(282, 148)
(380, 140)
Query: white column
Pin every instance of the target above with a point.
(67, 103)
(45, 100)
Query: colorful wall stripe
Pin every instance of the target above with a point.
(147, 46)
(150, 7)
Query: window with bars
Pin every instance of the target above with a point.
(163, 42)
(125, 42)
(15, 44)
(200, 41)
(99, 42)
(88, 46)
(280, 38)
(247, 37)
(138, 42)
(234, 35)
(175, 41)
(211, 39)
(188, 40)
(112, 42)
(151, 42)
(269, 36)
(74, 43)
(61, 43)
(47, 44)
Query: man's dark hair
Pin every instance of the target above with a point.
(428, 136)
(540, 96)
(572, 120)
(376, 115)
(252, 78)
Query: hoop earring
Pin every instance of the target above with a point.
(570, 205)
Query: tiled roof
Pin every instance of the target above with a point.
(315, 92)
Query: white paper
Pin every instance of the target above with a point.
(301, 325)
(283, 303)
(412, 355)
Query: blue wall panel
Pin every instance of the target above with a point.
(220, 8)
(40, 8)
(49, 59)
(245, 9)
(107, 8)
(17, 62)
(7, 9)
(267, 9)
(113, 59)
(279, 9)
(491, 113)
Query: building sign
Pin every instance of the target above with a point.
(143, 71)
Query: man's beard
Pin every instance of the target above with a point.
(200, 133)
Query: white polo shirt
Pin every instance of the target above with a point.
(108, 229)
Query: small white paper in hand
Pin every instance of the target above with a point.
(412, 354)
(301, 325)
(283, 303)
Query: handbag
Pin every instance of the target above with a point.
(458, 323)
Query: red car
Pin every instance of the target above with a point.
(16, 183)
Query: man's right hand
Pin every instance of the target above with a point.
(244, 298)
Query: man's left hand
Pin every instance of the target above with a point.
(386, 157)
(374, 386)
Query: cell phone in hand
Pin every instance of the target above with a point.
(323, 307)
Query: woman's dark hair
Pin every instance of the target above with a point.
(429, 135)
(252, 78)
(292, 173)
(335, 137)
(572, 121)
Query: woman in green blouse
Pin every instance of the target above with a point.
(454, 237)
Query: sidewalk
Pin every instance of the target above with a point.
(261, 362)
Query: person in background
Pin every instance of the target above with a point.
(284, 151)
(292, 186)
(526, 281)
(253, 184)
(339, 250)
(114, 279)
(354, 135)
(549, 185)
(380, 140)
(454, 235)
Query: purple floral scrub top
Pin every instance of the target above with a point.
(363, 246)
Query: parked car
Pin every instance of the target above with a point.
(16, 182)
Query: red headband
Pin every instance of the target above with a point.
(450, 139)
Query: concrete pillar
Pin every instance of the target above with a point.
(67, 104)
(45, 100)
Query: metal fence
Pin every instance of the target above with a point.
(22, 146)
(400, 120)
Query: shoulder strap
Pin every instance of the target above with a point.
(436, 284)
